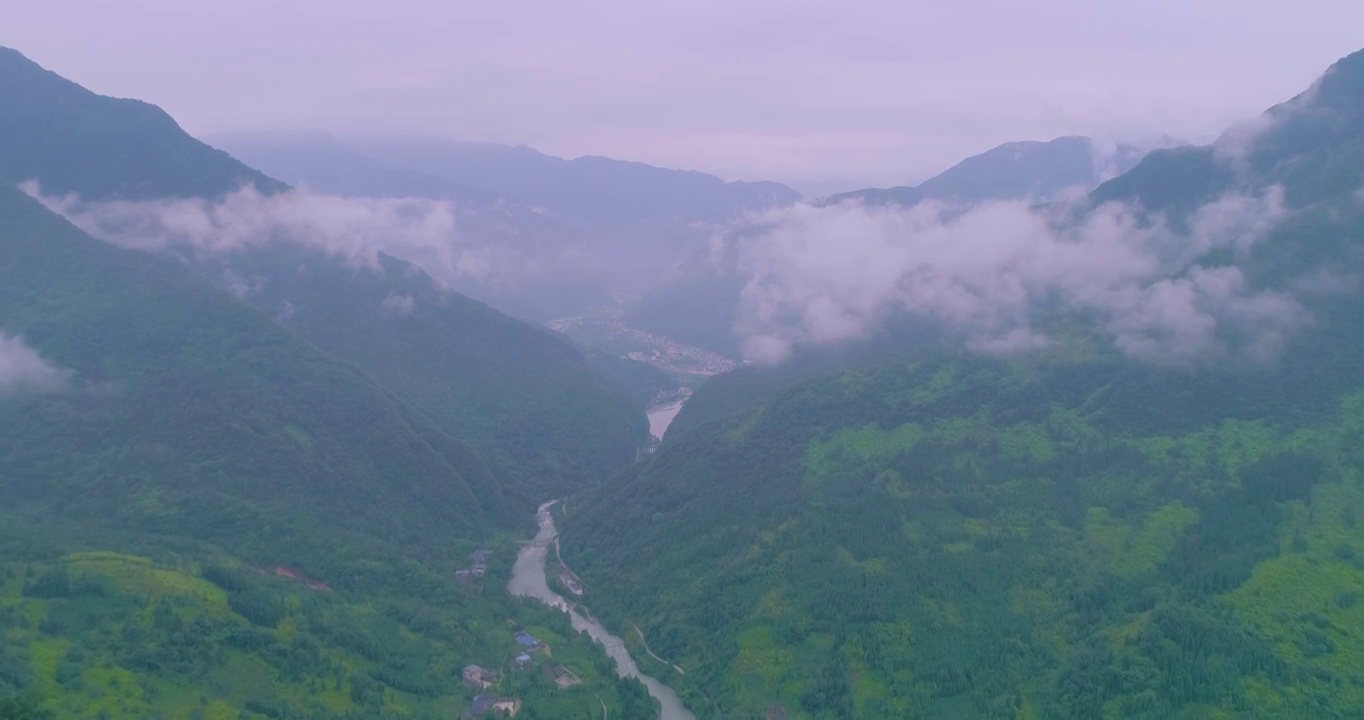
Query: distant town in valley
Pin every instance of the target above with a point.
(605, 330)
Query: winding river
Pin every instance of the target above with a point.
(528, 580)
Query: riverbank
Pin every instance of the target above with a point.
(529, 580)
(649, 651)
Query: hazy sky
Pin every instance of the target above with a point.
(823, 95)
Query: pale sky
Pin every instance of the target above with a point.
(823, 95)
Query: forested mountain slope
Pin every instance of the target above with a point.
(209, 512)
(528, 400)
(80, 142)
(1067, 533)
(239, 417)
(530, 403)
(1311, 147)
(166, 449)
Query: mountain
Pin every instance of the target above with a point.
(532, 403)
(516, 391)
(696, 302)
(82, 142)
(537, 268)
(1065, 533)
(213, 509)
(1028, 170)
(233, 414)
(565, 233)
(210, 514)
(590, 189)
(1310, 144)
(641, 220)
(319, 161)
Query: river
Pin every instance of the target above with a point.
(661, 416)
(528, 580)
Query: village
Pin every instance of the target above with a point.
(607, 331)
(527, 653)
(478, 566)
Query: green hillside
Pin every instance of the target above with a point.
(214, 518)
(1067, 534)
(213, 515)
(529, 401)
(540, 416)
(237, 418)
(972, 539)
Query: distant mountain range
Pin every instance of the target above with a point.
(564, 233)
(1028, 170)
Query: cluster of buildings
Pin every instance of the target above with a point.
(681, 358)
(562, 676)
(481, 679)
(608, 330)
(484, 703)
(527, 644)
(478, 567)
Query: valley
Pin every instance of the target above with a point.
(605, 329)
(290, 422)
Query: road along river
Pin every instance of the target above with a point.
(528, 580)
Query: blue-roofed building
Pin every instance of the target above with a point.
(526, 640)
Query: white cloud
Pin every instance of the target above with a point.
(1236, 143)
(23, 369)
(822, 275)
(419, 230)
(400, 305)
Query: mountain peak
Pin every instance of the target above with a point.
(1342, 85)
(73, 140)
(9, 57)
(1034, 170)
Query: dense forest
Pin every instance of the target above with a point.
(184, 631)
(1063, 534)
(982, 539)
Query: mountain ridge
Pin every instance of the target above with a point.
(1063, 532)
(64, 142)
(215, 509)
(496, 381)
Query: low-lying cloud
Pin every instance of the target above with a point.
(400, 305)
(22, 369)
(822, 275)
(419, 230)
